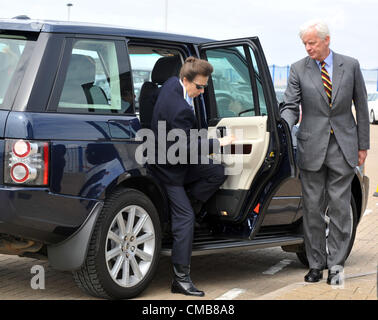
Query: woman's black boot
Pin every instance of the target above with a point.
(182, 283)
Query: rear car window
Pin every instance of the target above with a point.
(15, 51)
(94, 80)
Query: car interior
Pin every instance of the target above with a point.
(164, 68)
(79, 87)
(163, 63)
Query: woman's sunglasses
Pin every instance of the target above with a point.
(200, 86)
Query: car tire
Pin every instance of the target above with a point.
(302, 257)
(372, 118)
(124, 249)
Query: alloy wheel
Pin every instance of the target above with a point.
(130, 246)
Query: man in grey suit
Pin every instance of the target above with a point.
(330, 144)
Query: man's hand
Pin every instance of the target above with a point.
(362, 154)
(226, 140)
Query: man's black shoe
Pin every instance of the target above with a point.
(333, 277)
(314, 275)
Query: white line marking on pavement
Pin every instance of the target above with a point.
(231, 294)
(358, 275)
(367, 212)
(278, 267)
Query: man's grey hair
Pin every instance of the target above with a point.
(320, 26)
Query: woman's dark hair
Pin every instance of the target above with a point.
(193, 67)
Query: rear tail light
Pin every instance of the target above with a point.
(24, 148)
(26, 162)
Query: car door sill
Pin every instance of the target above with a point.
(220, 246)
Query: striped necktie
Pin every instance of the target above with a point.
(327, 82)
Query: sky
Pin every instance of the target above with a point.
(353, 23)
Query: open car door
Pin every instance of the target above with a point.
(240, 100)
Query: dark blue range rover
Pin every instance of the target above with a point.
(72, 99)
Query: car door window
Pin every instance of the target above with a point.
(237, 92)
(94, 81)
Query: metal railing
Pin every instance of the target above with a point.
(280, 75)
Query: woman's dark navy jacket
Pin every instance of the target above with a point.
(177, 113)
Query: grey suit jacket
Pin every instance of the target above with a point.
(305, 88)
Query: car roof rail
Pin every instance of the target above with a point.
(22, 17)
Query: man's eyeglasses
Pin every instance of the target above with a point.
(200, 86)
